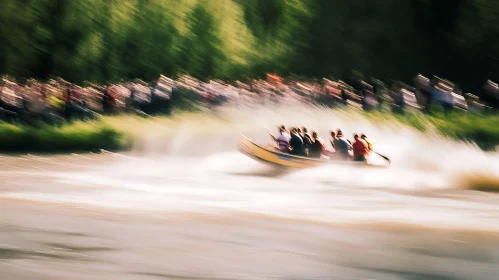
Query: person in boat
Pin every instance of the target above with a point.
(360, 150)
(333, 139)
(317, 148)
(307, 141)
(296, 142)
(283, 139)
(342, 146)
(338, 133)
(298, 130)
(331, 153)
(369, 145)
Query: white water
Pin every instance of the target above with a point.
(191, 166)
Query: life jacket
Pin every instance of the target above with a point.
(369, 145)
(359, 148)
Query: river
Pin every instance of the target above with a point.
(185, 204)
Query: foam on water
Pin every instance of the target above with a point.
(191, 163)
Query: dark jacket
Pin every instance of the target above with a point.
(307, 141)
(342, 147)
(296, 144)
(315, 149)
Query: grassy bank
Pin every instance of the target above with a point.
(480, 129)
(74, 137)
(115, 133)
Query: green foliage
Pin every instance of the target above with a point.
(200, 52)
(479, 129)
(103, 41)
(79, 136)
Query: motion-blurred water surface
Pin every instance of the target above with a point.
(185, 204)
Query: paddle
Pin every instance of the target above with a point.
(385, 157)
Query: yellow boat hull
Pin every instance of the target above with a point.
(272, 156)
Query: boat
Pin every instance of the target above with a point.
(271, 155)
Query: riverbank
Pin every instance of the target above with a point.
(80, 136)
(118, 133)
(483, 130)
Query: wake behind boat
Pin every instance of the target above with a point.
(270, 155)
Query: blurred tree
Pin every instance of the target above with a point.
(148, 47)
(106, 41)
(200, 53)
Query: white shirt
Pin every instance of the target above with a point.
(283, 141)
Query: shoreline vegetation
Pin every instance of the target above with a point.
(112, 134)
(79, 136)
(481, 130)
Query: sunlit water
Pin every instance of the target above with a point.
(185, 204)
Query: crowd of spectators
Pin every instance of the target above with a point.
(58, 101)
